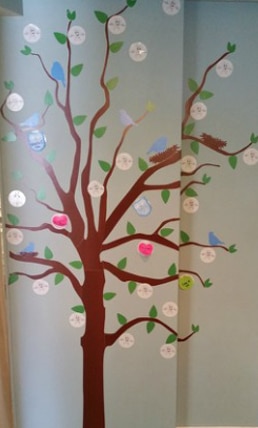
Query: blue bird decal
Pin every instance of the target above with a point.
(125, 118)
(31, 122)
(214, 240)
(158, 146)
(57, 72)
(29, 248)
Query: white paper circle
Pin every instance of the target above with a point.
(40, 287)
(144, 291)
(14, 236)
(198, 111)
(16, 198)
(171, 7)
(77, 320)
(117, 24)
(250, 156)
(191, 205)
(224, 68)
(188, 163)
(207, 255)
(76, 35)
(31, 33)
(138, 51)
(14, 102)
(95, 189)
(124, 161)
(170, 309)
(126, 340)
(168, 351)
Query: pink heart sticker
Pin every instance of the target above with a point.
(145, 248)
(59, 221)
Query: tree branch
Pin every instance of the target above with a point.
(151, 237)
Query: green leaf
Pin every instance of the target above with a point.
(99, 132)
(112, 83)
(130, 229)
(195, 328)
(142, 164)
(26, 50)
(232, 161)
(172, 270)
(41, 195)
(254, 138)
(58, 278)
(191, 192)
(232, 248)
(78, 120)
(206, 179)
(10, 137)
(153, 313)
(192, 85)
(101, 16)
(207, 283)
(104, 165)
(122, 263)
(51, 157)
(165, 195)
(131, 3)
(184, 236)
(231, 47)
(9, 85)
(166, 231)
(195, 147)
(76, 264)
(150, 326)
(48, 253)
(61, 38)
(189, 128)
(171, 338)
(76, 70)
(132, 286)
(204, 95)
(109, 296)
(78, 308)
(71, 15)
(121, 319)
(48, 100)
(13, 277)
(13, 219)
(116, 46)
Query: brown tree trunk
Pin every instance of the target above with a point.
(93, 345)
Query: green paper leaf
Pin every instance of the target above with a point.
(132, 286)
(232, 248)
(121, 319)
(109, 296)
(58, 278)
(207, 283)
(189, 128)
(130, 229)
(112, 83)
(61, 38)
(48, 253)
(76, 70)
(232, 161)
(26, 50)
(78, 120)
(78, 308)
(231, 47)
(195, 146)
(116, 46)
(150, 326)
(153, 313)
(76, 264)
(13, 219)
(191, 192)
(195, 328)
(206, 179)
(166, 231)
(9, 85)
(48, 100)
(13, 277)
(101, 16)
(254, 138)
(171, 338)
(165, 195)
(99, 132)
(172, 270)
(131, 3)
(142, 164)
(104, 165)
(51, 156)
(71, 15)
(192, 85)
(41, 195)
(122, 263)
(184, 236)
(205, 95)
(10, 137)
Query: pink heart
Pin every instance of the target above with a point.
(59, 221)
(145, 248)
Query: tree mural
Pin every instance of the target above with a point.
(89, 229)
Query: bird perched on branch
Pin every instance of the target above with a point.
(125, 119)
(31, 122)
(158, 146)
(57, 72)
(214, 240)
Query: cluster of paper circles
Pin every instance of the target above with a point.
(138, 51)
(188, 163)
(77, 320)
(167, 351)
(117, 24)
(126, 340)
(191, 205)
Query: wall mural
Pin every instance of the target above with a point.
(89, 229)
